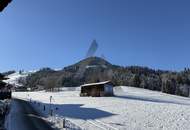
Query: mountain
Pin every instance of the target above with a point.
(88, 70)
(95, 69)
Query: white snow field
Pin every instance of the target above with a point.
(131, 109)
(13, 78)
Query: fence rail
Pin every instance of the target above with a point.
(63, 123)
(58, 121)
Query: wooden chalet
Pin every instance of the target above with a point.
(97, 89)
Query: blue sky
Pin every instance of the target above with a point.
(57, 33)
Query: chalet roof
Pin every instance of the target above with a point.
(94, 84)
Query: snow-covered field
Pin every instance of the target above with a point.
(131, 109)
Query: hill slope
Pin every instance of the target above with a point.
(95, 69)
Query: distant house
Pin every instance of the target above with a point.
(97, 89)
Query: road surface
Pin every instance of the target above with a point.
(23, 117)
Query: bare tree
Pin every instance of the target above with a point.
(51, 83)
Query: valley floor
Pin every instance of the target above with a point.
(130, 109)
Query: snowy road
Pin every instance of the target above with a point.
(23, 117)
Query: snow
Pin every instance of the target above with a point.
(131, 108)
(13, 78)
(99, 83)
(91, 66)
(95, 66)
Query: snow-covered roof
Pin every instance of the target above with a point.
(93, 84)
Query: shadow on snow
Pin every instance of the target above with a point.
(76, 111)
(149, 99)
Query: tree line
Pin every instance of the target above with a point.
(176, 83)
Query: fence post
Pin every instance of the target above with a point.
(51, 112)
(63, 122)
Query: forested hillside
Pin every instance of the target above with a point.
(95, 69)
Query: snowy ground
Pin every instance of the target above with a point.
(130, 109)
(13, 78)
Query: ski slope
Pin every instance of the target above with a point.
(131, 109)
(13, 79)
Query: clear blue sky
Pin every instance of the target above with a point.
(57, 33)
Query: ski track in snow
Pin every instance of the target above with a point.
(131, 109)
